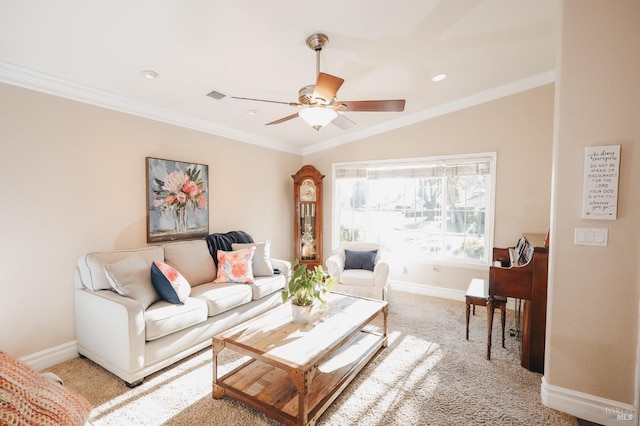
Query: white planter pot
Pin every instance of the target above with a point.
(302, 314)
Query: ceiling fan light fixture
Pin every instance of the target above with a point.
(317, 117)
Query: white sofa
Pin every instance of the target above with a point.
(359, 281)
(118, 333)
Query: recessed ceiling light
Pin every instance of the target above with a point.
(439, 77)
(252, 112)
(151, 75)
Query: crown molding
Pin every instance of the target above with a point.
(33, 80)
(439, 110)
(29, 79)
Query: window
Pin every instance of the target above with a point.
(438, 209)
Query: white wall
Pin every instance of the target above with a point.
(74, 181)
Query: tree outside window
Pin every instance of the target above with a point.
(438, 208)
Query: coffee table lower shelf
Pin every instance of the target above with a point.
(272, 390)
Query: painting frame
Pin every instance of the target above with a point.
(177, 200)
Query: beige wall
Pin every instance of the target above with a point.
(74, 181)
(593, 299)
(73, 178)
(519, 128)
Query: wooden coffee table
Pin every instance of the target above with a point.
(296, 371)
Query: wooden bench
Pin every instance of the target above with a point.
(477, 294)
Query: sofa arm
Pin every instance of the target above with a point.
(110, 330)
(381, 274)
(335, 266)
(284, 266)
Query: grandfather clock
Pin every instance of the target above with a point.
(307, 228)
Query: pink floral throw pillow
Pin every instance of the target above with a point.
(235, 266)
(169, 283)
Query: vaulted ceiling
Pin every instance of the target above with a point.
(96, 52)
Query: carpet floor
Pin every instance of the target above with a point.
(428, 375)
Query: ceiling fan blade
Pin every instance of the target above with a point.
(394, 105)
(327, 86)
(343, 122)
(282, 120)
(218, 96)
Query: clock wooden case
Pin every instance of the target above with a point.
(307, 228)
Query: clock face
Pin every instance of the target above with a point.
(307, 190)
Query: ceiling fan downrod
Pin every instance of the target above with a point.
(317, 42)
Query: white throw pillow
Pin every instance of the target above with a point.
(131, 277)
(262, 266)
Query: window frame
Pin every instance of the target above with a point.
(490, 208)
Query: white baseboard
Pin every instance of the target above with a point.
(428, 290)
(52, 356)
(588, 407)
(435, 291)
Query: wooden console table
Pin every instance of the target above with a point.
(295, 371)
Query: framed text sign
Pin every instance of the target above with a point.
(600, 187)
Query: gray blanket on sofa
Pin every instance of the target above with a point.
(223, 241)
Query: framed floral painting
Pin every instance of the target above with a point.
(177, 200)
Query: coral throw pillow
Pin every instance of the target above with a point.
(262, 266)
(236, 266)
(169, 283)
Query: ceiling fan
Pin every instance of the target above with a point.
(320, 106)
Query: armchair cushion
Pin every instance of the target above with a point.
(357, 259)
(357, 277)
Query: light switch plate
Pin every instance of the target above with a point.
(591, 237)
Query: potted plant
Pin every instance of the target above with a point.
(306, 287)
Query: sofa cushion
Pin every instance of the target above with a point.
(264, 286)
(163, 318)
(360, 259)
(221, 297)
(91, 265)
(131, 277)
(261, 263)
(192, 259)
(236, 266)
(169, 283)
(357, 277)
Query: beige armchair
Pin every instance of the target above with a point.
(359, 271)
